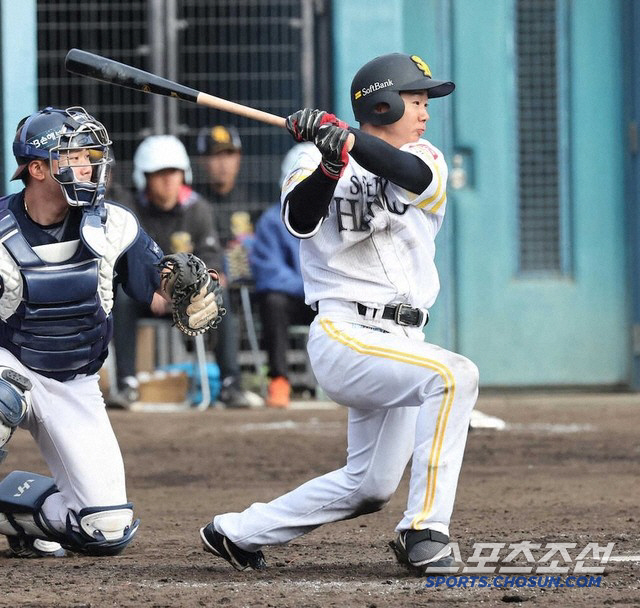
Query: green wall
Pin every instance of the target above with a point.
(540, 331)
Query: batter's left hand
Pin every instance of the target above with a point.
(303, 124)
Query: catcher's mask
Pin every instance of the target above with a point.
(76, 141)
(376, 88)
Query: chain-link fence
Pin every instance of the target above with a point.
(260, 53)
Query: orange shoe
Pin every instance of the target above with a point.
(278, 392)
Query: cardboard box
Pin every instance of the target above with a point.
(163, 387)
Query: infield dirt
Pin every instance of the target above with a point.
(565, 470)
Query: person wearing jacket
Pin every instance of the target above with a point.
(275, 266)
(181, 221)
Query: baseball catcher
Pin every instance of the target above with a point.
(194, 292)
(56, 321)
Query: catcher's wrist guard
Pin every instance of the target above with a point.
(195, 292)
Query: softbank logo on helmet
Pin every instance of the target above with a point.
(376, 86)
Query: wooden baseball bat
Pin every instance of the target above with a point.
(111, 71)
(114, 72)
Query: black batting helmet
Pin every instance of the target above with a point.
(382, 79)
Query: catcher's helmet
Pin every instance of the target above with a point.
(381, 80)
(53, 133)
(158, 152)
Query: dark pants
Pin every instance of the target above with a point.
(223, 340)
(278, 311)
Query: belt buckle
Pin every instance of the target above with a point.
(396, 316)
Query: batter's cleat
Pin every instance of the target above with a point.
(426, 552)
(220, 545)
(30, 547)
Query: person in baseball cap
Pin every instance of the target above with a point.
(219, 138)
(222, 151)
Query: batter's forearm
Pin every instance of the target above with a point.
(309, 200)
(403, 169)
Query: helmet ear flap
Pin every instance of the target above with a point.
(375, 113)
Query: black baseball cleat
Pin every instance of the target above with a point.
(30, 547)
(220, 545)
(426, 552)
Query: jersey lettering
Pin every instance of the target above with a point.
(354, 214)
(350, 216)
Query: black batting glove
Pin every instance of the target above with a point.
(304, 124)
(331, 140)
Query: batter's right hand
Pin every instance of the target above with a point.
(304, 124)
(332, 143)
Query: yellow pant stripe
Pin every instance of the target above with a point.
(443, 412)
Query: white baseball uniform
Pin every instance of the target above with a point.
(406, 397)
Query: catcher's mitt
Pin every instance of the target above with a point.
(196, 301)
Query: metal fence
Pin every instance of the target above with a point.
(261, 53)
(542, 124)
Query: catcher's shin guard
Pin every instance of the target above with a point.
(93, 531)
(22, 495)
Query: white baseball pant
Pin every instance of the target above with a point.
(405, 397)
(70, 425)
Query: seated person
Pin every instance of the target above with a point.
(275, 267)
(181, 221)
(220, 157)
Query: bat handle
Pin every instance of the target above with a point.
(236, 108)
(252, 113)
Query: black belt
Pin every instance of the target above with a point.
(402, 314)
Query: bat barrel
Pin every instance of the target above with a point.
(111, 71)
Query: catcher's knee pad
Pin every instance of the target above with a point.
(15, 398)
(102, 530)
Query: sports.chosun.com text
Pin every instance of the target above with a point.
(507, 582)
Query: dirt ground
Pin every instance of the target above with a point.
(565, 470)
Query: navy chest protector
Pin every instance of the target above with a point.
(60, 328)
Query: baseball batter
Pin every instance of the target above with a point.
(368, 220)
(62, 249)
